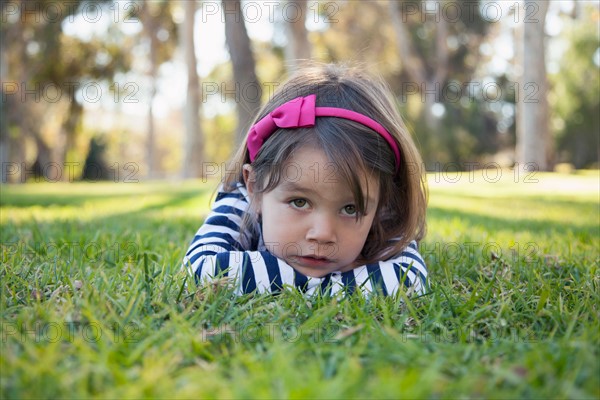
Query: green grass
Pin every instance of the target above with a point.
(93, 303)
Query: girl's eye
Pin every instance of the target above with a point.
(349, 210)
(299, 203)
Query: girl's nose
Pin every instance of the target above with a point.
(322, 230)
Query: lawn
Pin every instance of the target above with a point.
(94, 304)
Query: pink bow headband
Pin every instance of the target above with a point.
(301, 113)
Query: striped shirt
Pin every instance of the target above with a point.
(217, 251)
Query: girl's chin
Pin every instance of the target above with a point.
(317, 271)
(310, 271)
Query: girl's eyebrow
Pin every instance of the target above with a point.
(295, 187)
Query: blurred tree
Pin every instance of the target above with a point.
(298, 47)
(21, 90)
(247, 87)
(424, 50)
(219, 122)
(356, 32)
(194, 136)
(160, 34)
(14, 127)
(438, 46)
(534, 143)
(32, 35)
(575, 93)
(427, 69)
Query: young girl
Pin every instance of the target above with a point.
(325, 194)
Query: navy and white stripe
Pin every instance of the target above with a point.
(216, 251)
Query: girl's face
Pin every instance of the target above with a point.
(309, 219)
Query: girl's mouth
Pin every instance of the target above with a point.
(313, 261)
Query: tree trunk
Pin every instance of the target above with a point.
(247, 88)
(44, 162)
(4, 150)
(298, 48)
(5, 164)
(193, 143)
(12, 146)
(534, 147)
(69, 131)
(150, 156)
(410, 61)
(150, 26)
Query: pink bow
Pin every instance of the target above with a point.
(301, 113)
(296, 113)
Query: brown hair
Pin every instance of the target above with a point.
(356, 151)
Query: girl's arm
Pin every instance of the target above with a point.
(407, 269)
(216, 251)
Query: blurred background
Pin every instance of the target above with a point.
(133, 90)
